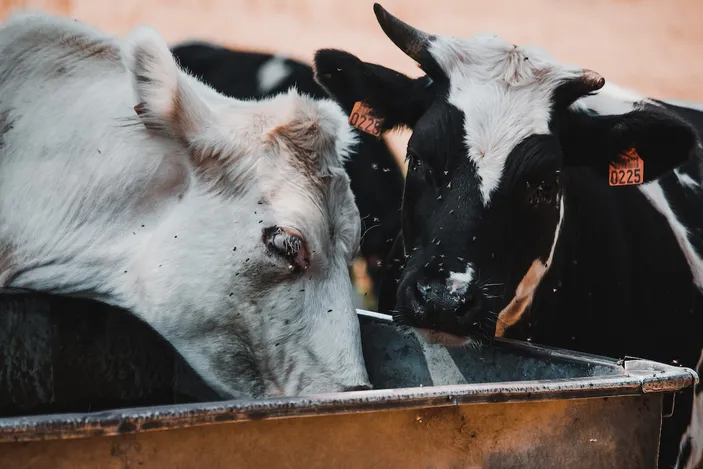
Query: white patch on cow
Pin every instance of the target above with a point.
(612, 99)
(459, 282)
(505, 93)
(161, 211)
(694, 432)
(686, 180)
(654, 192)
(272, 73)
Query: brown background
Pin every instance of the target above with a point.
(653, 46)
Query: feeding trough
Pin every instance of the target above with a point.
(94, 387)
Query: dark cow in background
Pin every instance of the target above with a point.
(376, 179)
(510, 202)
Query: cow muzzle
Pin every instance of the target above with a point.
(435, 307)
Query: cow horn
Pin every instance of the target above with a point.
(411, 41)
(592, 81)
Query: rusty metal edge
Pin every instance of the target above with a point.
(638, 377)
(135, 420)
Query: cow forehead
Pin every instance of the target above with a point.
(505, 94)
(321, 205)
(328, 207)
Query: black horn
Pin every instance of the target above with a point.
(411, 41)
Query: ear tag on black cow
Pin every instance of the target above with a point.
(628, 170)
(363, 118)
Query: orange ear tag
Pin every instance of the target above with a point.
(363, 118)
(627, 171)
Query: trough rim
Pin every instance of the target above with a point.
(635, 377)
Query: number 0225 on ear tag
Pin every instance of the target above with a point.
(362, 117)
(628, 170)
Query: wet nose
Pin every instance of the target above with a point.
(447, 309)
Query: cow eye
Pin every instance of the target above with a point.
(287, 244)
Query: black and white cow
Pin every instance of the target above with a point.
(508, 204)
(376, 179)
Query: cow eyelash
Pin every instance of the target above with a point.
(286, 246)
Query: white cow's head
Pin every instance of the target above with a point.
(247, 273)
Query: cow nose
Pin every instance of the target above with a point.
(447, 309)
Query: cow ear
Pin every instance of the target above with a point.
(167, 102)
(389, 98)
(653, 140)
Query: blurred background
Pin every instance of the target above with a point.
(652, 46)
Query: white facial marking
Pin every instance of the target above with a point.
(458, 282)
(686, 180)
(655, 194)
(272, 73)
(505, 94)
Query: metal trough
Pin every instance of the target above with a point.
(511, 405)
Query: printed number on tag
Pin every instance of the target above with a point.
(363, 119)
(628, 170)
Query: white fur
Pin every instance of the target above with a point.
(504, 97)
(272, 73)
(145, 44)
(94, 203)
(686, 180)
(458, 282)
(656, 196)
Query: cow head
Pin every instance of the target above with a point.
(246, 271)
(493, 132)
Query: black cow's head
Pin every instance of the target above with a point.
(494, 131)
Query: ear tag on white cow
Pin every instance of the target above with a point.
(628, 170)
(363, 118)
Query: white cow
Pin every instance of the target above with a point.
(226, 225)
